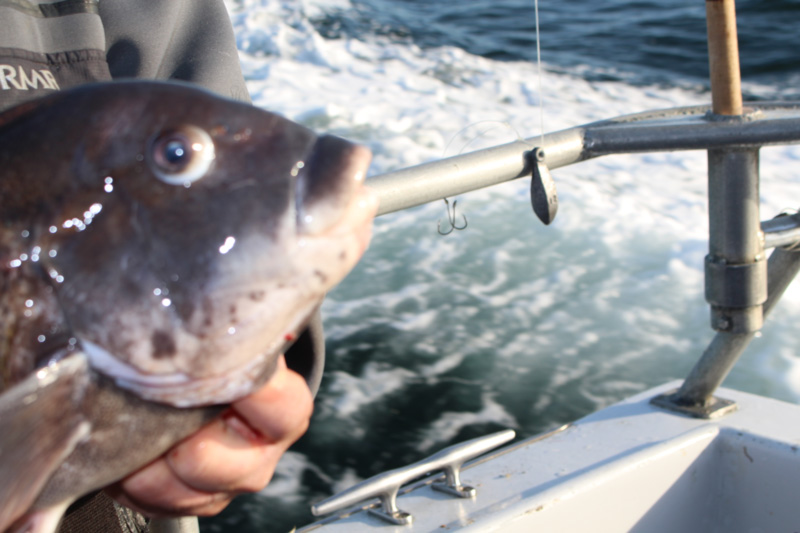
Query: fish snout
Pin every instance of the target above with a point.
(330, 185)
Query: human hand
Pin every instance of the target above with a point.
(235, 453)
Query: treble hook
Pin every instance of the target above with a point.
(451, 217)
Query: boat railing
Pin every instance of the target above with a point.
(682, 128)
(737, 285)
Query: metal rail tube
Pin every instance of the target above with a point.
(666, 130)
(186, 524)
(723, 352)
(736, 270)
(468, 172)
(781, 231)
(690, 133)
(734, 220)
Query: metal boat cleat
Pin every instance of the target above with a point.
(385, 486)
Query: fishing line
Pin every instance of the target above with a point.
(496, 124)
(451, 213)
(451, 208)
(539, 71)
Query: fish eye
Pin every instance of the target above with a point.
(180, 156)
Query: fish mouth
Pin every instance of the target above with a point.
(357, 221)
(181, 390)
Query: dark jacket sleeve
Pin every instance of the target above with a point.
(188, 40)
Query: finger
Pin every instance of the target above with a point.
(225, 457)
(235, 454)
(157, 492)
(291, 405)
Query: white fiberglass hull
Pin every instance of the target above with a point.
(629, 467)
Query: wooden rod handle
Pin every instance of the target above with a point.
(723, 57)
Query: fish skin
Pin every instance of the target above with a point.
(22, 444)
(148, 296)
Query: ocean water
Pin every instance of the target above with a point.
(508, 324)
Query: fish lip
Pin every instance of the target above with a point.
(359, 213)
(105, 363)
(331, 177)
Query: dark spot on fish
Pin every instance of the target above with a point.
(232, 309)
(184, 307)
(257, 296)
(208, 312)
(163, 345)
(322, 277)
(343, 255)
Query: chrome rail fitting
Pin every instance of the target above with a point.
(694, 398)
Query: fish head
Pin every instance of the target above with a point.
(189, 238)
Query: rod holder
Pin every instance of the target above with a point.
(736, 269)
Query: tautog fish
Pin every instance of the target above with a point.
(160, 247)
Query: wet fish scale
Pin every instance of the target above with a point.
(28, 331)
